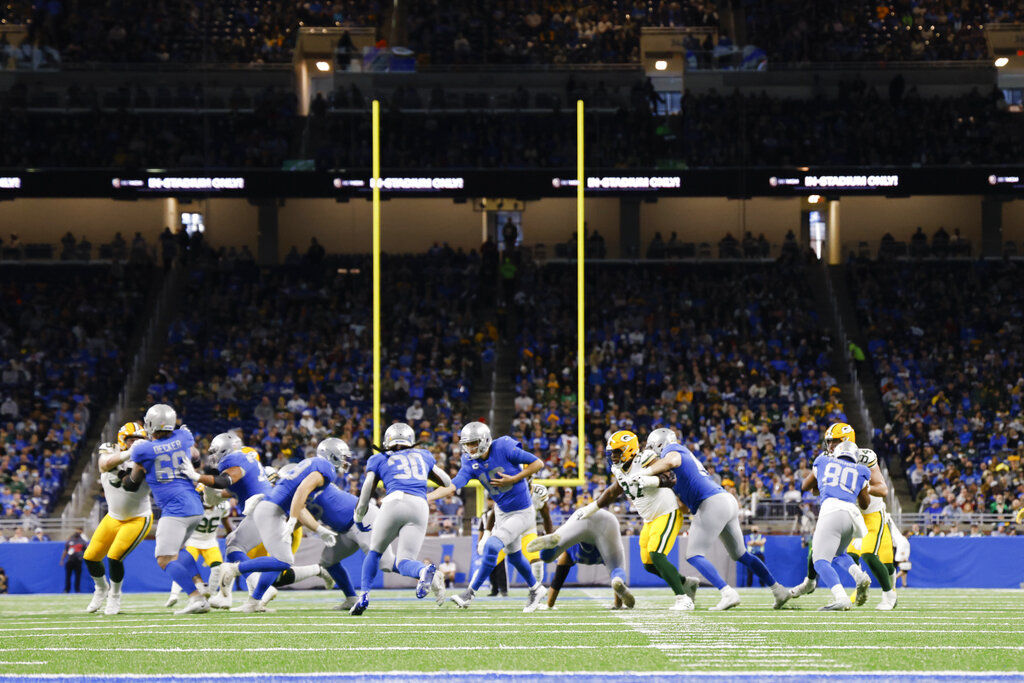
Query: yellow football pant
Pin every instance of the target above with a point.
(116, 539)
(659, 535)
(878, 540)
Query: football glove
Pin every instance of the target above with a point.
(251, 503)
(326, 535)
(585, 511)
(666, 480)
(188, 469)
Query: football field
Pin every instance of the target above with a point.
(963, 632)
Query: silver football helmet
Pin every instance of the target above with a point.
(846, 450)
(160, 418)
(336, 452)
(398, 434)
(475, 439)
(224, 444)
(659, 438)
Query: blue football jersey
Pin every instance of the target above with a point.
(840, 479)
(694, 483)
(333, 507)
(253, 480)
(584, 553)
(504, 457)
(404, 470)
(284, 490)
(174, 493)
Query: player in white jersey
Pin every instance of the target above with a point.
(203, 541)
(656, 505)
(128, 520)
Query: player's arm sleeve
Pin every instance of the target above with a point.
(876, 485)
(521, 457)
(133, 481)
(365, 494)
(462, 478)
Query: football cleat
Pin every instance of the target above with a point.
(782, 595)
(361, 605)
(113, 605)
(251, 605)
(730, 598)
(438, 589)
(464, 599)
(426, 580)
(862, 590)
(268, 595)
(220, 602)
(536, 597)
(805, 587)
(204, 590)
(683, 603)
(690, 585)
(622, 591)
(328, 579)
(836, 606)
(346, 604)
(172, 599)
(98, 598)
(542, 543)
(228, 573)
(197, 605)
(887, 603)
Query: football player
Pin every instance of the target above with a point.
(837, 433)
(657, 506)
(842, 484)
(160, 462)
(276, 517)
(502, 467)
(715, 516)
(336, 509)
(128, 520)
(595, 539)
(404, 511)
(876, 547)
(539, 496)
(203, 541)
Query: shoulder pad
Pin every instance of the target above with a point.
(867, 457)
(106, 448)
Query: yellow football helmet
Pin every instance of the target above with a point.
(130, 430)
(622, 447)
(837, 433)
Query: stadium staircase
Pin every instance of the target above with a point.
(861, 386)
(81, 501)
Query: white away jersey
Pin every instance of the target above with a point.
(650, 502)
(205, 535)
(123, 505)
(869, 459)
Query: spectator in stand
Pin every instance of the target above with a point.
(19, 536)
(3, 581)
(448, 569)
(40, 537)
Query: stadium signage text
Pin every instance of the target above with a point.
(10, 183)
(420, 183)
(848, 182)
(195, 183)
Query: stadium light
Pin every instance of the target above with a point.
(814, 199)
(323, 65)
(660, 65)
(1001, 62)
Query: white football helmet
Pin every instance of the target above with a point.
(224, 444)
(846, 450)
(160, 418)
(659, 438)
(867, 457)
(337, 452)
(475, 439)
(398, 434)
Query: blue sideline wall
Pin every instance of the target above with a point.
(937, 563)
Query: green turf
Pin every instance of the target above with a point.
(932, 630)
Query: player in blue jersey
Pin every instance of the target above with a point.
(336, 509)
(596, 539)
(715, 514)
(842, 485)
(404, 511)
(277, 516)
(239, 471)
(159, 461)
(503, 468)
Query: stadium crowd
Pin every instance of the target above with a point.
(65, 335)
(942, 341)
